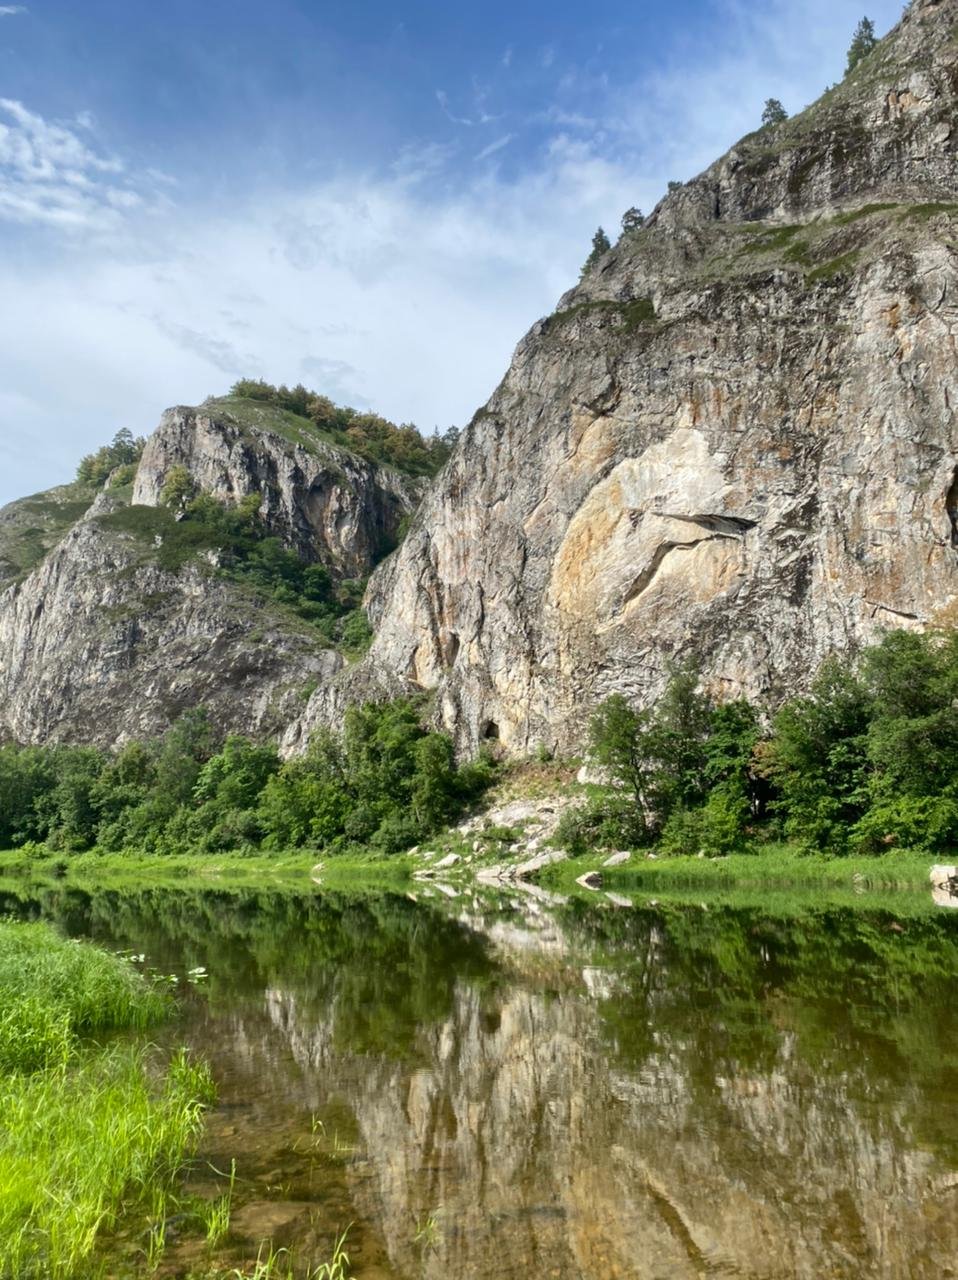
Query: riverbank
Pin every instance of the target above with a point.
(92, 1137)
(774, 868)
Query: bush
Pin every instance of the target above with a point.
(123, 451)
(926, 824)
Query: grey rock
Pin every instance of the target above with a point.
(103, 640)
(617, 859)
(539, 862)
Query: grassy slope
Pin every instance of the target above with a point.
(30, 527)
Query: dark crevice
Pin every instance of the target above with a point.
(951, 506)
(725, 526)
(648, 573)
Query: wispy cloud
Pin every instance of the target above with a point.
(506, 60)
(479, 113)
(9, 10)
(443, 99)
(50, 176)
(493, 147)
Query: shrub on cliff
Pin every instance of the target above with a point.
(123, 451)
(367, 434)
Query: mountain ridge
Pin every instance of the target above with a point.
(732, 441)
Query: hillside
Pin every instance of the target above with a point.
(733, 440)
(119, 613)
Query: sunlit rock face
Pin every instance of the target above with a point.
(734, 440)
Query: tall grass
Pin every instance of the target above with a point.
(88, 1136)
(53, 990)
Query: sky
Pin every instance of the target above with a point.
(376, 199)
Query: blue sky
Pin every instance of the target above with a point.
(376, 199)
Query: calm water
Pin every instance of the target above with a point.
(521, 1088)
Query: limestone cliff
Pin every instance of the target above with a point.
(735, 438)
(112, 626)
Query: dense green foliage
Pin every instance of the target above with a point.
(87, 1137)
(122, 452)
(863, 41)
(53, 990)
(773, 113)
(383, 782)
(367, 434)
(867, 761)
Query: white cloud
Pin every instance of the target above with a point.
(493, 147)
(8, 10)
(50, 176)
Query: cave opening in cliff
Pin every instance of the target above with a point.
(951, 506)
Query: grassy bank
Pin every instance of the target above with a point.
(298, 868)
(776, 867)
(90, 1137)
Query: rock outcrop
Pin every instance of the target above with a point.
(734, 439)
(115, 632)
(324, 502)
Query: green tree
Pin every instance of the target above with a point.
(124, 451)
(632, 220)
(773, 113)
(179, 488)
(600, 245)
(817, 759)
(863, 41)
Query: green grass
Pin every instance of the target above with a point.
(130, 870)
(835, 267)
(260, 415)
(639, 313)
(85, 1148)
(88, 1136)
(166, 541)
(776, 867)
(53, 991)
(31, 527)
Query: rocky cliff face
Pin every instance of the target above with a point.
(734, 439)
(114, 633)
(324, 502)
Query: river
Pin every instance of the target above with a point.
(521, 1085)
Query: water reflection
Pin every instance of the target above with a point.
(507, 1088)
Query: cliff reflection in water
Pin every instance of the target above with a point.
(596, 1092)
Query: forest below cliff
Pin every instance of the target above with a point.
(865, 763)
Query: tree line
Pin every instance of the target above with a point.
(865, 762)
(383, 782)
(367, 434)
